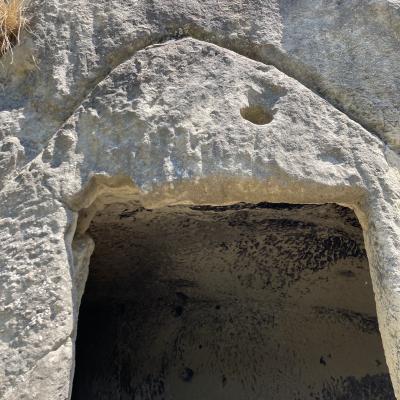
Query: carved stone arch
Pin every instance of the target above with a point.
(166, 128)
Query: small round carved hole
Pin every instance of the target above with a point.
(257, 115)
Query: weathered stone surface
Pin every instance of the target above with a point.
(97, 115)
(348, 51)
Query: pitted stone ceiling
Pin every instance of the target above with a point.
(233, 302)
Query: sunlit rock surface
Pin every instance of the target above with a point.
(169, 103)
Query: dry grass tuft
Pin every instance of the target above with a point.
(12, 21)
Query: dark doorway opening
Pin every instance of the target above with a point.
(248, 301)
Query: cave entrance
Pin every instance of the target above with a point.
(247, 301)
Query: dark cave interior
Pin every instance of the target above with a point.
(247, 301)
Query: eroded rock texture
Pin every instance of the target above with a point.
(235, 302)
(348, 51)
(169, 103)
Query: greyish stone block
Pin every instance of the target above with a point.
(187, 108)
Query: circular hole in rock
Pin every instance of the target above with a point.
(256, 114)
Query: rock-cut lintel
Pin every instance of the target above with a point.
(243, 48)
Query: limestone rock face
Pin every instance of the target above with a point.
(197, 102)
(347, 51)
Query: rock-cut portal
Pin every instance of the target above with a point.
(248, 301)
